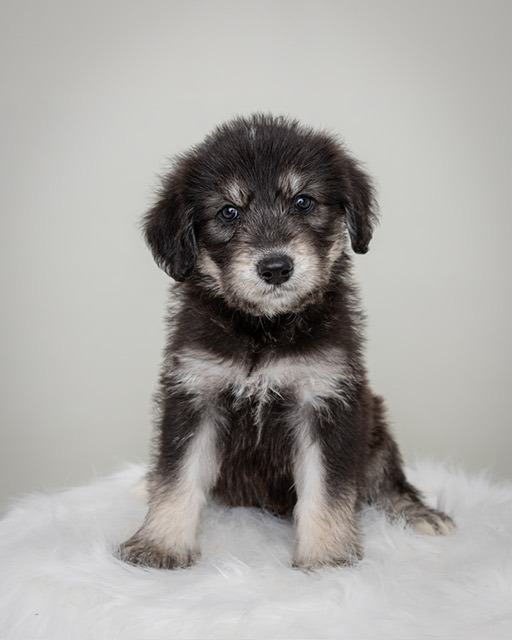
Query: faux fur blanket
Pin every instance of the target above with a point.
(60, 581)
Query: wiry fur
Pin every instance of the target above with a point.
(264, 399)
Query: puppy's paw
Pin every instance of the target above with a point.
(430, 522)
(146, 553)
(311, 562)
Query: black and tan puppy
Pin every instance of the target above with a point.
(264, 398)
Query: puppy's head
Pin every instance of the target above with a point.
(259, 214)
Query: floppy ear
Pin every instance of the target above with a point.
(169, 232)
(360, 206)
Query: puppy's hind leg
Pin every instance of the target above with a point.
(386, 484)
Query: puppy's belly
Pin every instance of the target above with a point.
(256, 467)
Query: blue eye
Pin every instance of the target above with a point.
(304, 203)
(228, 213)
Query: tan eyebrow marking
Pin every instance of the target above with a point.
(236, 193)
(291, 182)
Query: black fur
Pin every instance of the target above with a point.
(271, 437)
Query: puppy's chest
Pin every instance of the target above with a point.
(300, 379)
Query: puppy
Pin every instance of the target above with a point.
(264, 399)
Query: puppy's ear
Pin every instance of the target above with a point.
(360, 206)
(169, 231)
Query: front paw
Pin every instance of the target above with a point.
(146, 553)
(311, 562)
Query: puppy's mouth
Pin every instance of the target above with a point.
(269, 283)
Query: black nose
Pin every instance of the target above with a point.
(275, 269)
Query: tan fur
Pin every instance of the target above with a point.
(422, 519)
(309, 377)
(327, 531)
(291, 183)
(236, 193)
(243, 285)
(170, 528)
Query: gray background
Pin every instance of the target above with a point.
(95, 97)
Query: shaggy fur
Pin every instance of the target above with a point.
(60, 581)
(264, 399)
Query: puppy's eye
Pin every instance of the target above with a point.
(304, 203)
(228, 213)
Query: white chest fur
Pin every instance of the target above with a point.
(310, 378)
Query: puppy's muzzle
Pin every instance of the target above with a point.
(275, 269)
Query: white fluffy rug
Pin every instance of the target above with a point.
(59, 580)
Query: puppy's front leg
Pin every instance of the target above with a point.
(327, 531)
(178, 488)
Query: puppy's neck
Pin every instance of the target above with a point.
(334, 317)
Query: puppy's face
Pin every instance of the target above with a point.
(259, 214)
(269, 234)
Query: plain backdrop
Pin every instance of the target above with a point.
(95, 98)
